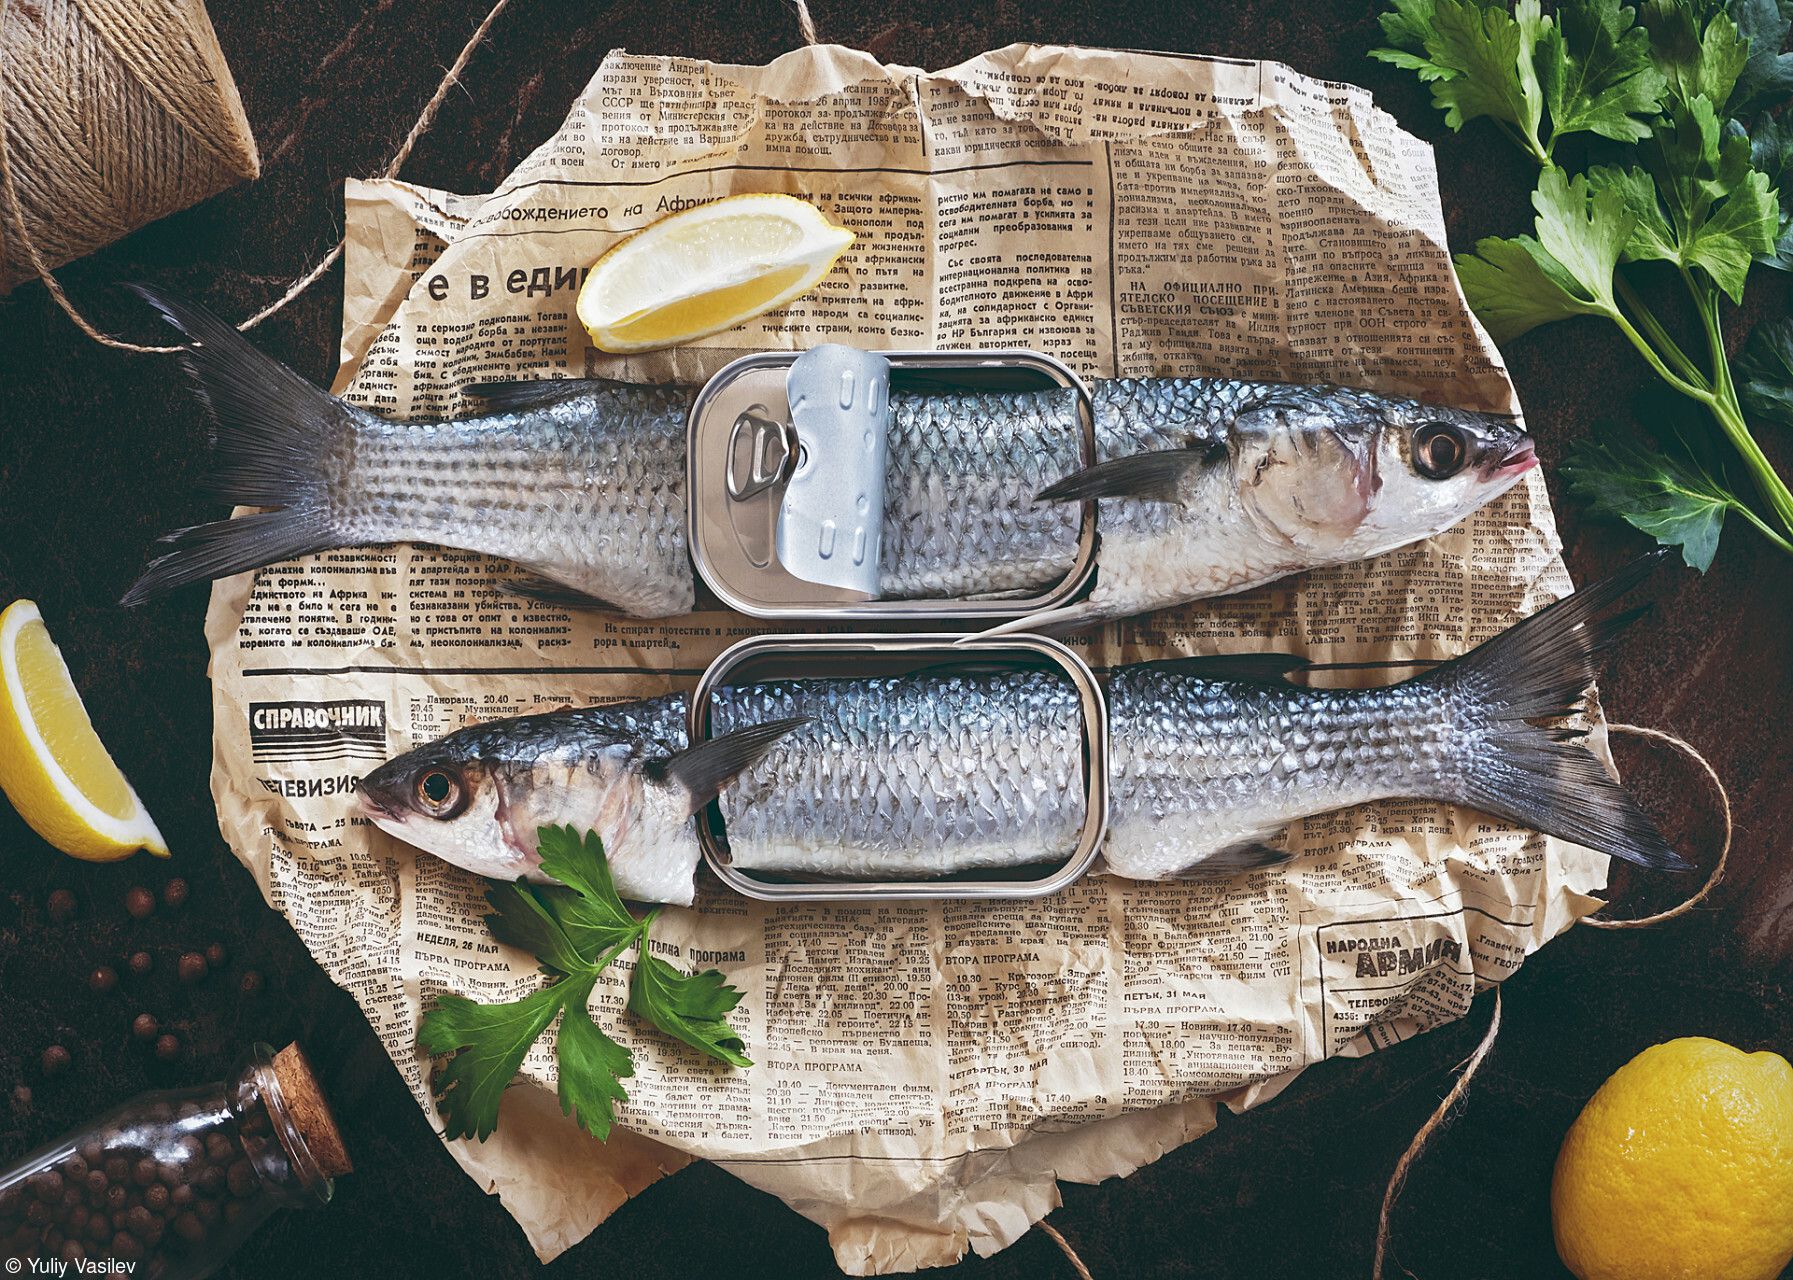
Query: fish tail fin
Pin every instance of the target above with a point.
(1545, 778)
(272, 432)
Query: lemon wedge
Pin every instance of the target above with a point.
(707, 269)
(53, 766)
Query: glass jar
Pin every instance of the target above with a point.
(171, 1182)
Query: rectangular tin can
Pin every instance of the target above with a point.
(869, 655)
(730, 537)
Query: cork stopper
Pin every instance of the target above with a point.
(309, 1112)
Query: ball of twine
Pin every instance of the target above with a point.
(116, 113)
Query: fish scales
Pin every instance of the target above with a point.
(961, 474)
(589, 491)
(920, 775)
(1198, 766)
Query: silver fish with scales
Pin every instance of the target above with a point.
(1206, 486)
(939, 772)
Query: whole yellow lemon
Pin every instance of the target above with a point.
(1680, 1168)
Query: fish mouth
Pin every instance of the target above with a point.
(1521, 458)
(374, 808)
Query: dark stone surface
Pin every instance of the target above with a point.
(99, 454)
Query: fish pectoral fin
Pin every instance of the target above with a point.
(1249, 855)
(1252, 668)
(1153, 476)
(532, 393)
(538, 589)
(703, 770)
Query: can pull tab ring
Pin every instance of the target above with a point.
(831, 521)
(770, 454)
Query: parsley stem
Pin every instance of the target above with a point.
(1658, 336)
(1743, 509)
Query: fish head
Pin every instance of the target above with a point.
(479, 796)
(1341, 474)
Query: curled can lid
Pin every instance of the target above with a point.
(831, 521)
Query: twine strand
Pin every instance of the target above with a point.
(1441, 1116)
(1058, 1239)
(1724, 849)
(806, 25)
(1435, 1123)
(19, 234)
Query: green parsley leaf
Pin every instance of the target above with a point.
(488, 1042)
(1765, 369)
(1477, 57)
(588, 909)
(1768, 75)
(1652, 239)
(1697, 48)
(1771, 152)
(575, 929)
(522, 920)
(1672, 498)
(1720, 208)
(1595, 68)
(1583, 229)
(690, 1007)
(1513, 286)
(591, 1065)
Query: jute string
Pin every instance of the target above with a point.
(20, 235)
(1441, 1117)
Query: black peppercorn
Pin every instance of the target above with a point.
(62, 905)
(140, 903)
(141, 963)
(54, 1061)
(191, 967)
(250, 984)
(216, 955)
(144, 1026)
(156, 1198)
(103, 979)
(174, 893)
(168, 1048)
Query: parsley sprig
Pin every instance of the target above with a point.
(1685, 165)
(575, 931)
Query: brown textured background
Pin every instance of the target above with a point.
(98, 455)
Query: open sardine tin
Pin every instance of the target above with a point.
(781, 657)
(786, 472)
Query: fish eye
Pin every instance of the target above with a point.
(439, 792)
(1439, 450)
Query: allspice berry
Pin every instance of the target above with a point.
(174, 893)
(140, 903)
(103, 979)
(141, 963)
(145, 1026)
(192, 967)
(62, 905)
(54, 1061)
(168, 1048)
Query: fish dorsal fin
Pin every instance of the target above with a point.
(1153, 476)
(703, 770)
(532, 393)
(1255, 668)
